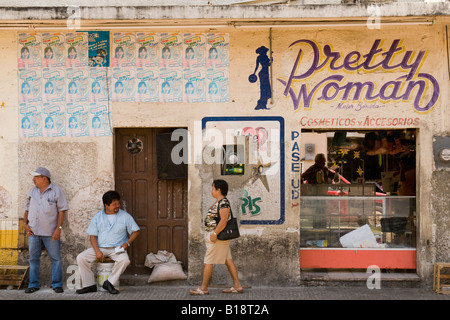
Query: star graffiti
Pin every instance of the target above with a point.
(258, 171)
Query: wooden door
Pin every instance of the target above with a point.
(158, 206)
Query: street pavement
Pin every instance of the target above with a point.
(174, 301)
(263, 293)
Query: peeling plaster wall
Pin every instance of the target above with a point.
(434, 186)
(8, 128)
(196, 11)
(441, 216)
(83, 169)
(73, 164)
(439, 185)
(5, 203)
(265, 254)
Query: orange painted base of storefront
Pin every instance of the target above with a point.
(354, 258)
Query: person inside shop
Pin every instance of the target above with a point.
(407, 183)
(111, 231)
(45, 206)
(318, 172)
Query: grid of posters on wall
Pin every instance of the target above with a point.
(67, 81)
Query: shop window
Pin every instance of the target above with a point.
(366, 196)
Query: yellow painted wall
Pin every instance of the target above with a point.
(9, 238)
(12, 239)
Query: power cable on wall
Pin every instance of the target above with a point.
(446, 47)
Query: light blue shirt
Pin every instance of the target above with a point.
(112, 234)
(43, 209)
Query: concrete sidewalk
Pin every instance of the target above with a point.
(263, 293)
(174, 302)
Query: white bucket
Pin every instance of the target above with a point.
(103, 272)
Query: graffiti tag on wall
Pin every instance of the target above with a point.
(250, 204)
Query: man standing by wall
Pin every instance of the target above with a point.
(43, 219)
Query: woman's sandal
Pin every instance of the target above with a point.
(198, 292)
(233, 290)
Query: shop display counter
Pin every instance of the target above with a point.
(352, 226)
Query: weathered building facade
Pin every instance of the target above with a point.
(251, 82)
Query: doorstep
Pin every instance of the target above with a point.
(142, 280)
(333, 277)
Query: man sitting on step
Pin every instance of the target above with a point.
(111, 231)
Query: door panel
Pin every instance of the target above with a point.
(159, 207)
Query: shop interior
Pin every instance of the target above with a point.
(366, 198)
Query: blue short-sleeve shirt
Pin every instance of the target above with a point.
(112, 234)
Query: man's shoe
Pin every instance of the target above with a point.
(109, 287)
(31, 290)
(92, 288)
(58, 290)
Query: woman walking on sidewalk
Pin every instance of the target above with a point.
(217, 251)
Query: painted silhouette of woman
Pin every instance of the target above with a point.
(264, 81)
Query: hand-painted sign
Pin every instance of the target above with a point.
(422, 89)
(263, 75)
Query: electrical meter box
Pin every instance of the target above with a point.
(233, 157)
(441, 152)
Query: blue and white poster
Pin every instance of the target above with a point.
(98, 85)
(100, 120)
(54, 116)
(78, 120)
(54, 80)
(147, 84)
(123, 84)
(171, 85)
(30, 119)
(217, 85)
(30, 86)
(87, 69)
(77, 85)
(194, 82)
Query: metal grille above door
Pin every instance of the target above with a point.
(167, 169)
